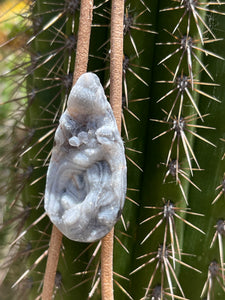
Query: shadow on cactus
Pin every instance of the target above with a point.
(169, 241)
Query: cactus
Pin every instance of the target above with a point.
(168, 243)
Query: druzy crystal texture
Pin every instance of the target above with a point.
(86, 178)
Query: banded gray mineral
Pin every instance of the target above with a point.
(86, 179)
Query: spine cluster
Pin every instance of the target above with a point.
(169, 242)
